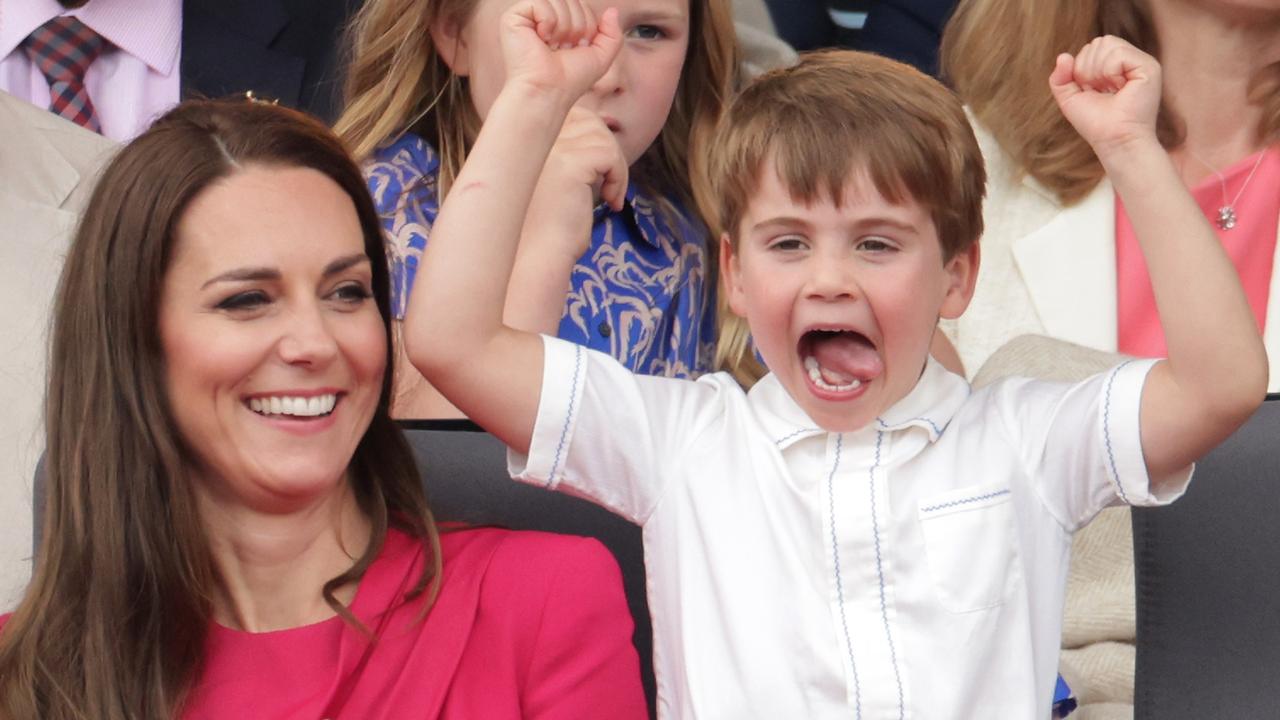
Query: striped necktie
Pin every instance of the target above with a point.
(63, 49)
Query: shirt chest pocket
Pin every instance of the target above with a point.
(970, 546)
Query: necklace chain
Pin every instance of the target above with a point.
(1227, 216)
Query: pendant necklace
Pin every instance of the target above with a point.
(1227, 215)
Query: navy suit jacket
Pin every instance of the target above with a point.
(288, 50)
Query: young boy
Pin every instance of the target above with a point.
(860, 535)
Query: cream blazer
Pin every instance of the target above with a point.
(1051, 270)
(45, 167)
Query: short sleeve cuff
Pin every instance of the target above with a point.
(1122, 438)
(563, 376)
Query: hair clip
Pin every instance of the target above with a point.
(248, 95)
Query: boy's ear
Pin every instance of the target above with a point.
(446, 35)
(731, 273)
(962, 274)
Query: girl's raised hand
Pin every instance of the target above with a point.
(558, 45)
(1110, 93)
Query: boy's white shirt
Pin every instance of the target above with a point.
(948, 524)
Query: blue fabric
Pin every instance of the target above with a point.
(1063, 703)
(639, 292)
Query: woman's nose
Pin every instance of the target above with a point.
(307, 338)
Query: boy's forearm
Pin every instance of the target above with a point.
(1212, 338)
(461, 286)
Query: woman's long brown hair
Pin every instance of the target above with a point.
(1005, 84)
(113, 623)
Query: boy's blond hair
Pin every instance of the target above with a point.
(837, 114)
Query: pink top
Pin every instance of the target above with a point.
(527, 625)
(134, 80)
(1251, 245)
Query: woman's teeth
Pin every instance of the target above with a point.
(820, 376)
(296, 406)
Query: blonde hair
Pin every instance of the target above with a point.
(397, 82)
(834, 115)
(1006, 84)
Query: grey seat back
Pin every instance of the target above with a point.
(1208, 583)
(465, 473)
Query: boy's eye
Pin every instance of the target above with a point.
(874, 245)
(646, 32)
(787, 244)
(242, 301)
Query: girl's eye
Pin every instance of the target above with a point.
(352, 293)
(248, 300)
(646, 32)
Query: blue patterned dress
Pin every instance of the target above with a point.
(638, 293)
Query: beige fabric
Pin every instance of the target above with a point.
(44, 163)
(762, 49)
(1098, 623)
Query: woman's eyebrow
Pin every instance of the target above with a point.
(344, 263)
(268, 273)
(244, 274)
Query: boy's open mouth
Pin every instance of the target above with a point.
(839, 360)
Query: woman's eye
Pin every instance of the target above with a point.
(646, 32)
(248, 300)
(352, 293)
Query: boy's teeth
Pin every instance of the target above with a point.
(296, 406)
(816, 375)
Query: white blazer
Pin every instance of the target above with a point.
(45, 163)
(1051, 270)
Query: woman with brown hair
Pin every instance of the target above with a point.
(1059, 257)
(235, 527)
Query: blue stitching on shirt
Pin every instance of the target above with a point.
(936, 430)
(955, 503)
(801, 431)
(884, 612)
(564, 431)
(1106, 431)
(835, 553)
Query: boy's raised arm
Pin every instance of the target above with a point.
(454, 331)
(1216, 373)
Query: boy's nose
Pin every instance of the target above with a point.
(830, 279)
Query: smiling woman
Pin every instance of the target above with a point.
(235, 527)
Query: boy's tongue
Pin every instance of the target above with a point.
(844, 357)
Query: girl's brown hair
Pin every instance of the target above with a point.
(397, 82)
(1006, 83)
(113, 623)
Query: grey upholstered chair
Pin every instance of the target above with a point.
(1208, 583)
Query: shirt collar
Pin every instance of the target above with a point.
(150, 30)
(642, 212)
(929, 406)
